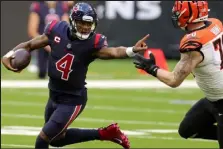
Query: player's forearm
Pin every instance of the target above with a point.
(36, 43)
(20, 46)
(123, 52)
(120, 52)
(168, 78)
(23, 45)
(114, 53)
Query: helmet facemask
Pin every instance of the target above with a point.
(83, 21)
(83, 28)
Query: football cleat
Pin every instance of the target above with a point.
(114, 134)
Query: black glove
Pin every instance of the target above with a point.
(149, 65)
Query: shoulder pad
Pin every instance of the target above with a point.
(190, 42)
(100, 41)
(55, 26)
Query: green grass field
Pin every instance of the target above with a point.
(110, 69)
(150, 117)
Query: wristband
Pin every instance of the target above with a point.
(9, 54)
(129, 52)
(153, 70)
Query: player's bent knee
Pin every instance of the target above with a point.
(59, 137)
(184, 131)
(44, 136)
(56, 143)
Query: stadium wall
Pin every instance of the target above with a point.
(123, 22)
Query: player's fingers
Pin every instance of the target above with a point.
(143, 44)
(151, 56)
(145, 38)
(139, 57)
(136, 62)
(138, 66)
(6, 63)
(11, 68)
(12, 57)
(143, 48)
(138, 44)
(18, 71)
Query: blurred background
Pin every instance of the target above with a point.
(149, 115)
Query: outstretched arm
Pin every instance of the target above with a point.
(188, 61)
(122, 52)
(116, 52)
(183, 68)
(36, 43)
(190, 58)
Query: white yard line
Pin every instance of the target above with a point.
(171, 138)
(103, 84)
(142, 134)
(106, 97)
(24, 146)
(94, 120)
(98, 107)
(17, 145)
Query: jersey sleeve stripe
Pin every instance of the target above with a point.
(96, 41)
(190, 46)
(52, 25)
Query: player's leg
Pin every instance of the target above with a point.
(199, 122)
(42, 140)
(56, 125)
(61, 120)
(42, 63)
(76, 135)
(49, 109)
(218, 105)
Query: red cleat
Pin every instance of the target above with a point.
(114, 134)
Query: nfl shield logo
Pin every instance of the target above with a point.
(68, 46)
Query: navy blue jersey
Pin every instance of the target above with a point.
(69, 59)
(47, 14)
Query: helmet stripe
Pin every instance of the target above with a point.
(190, 11)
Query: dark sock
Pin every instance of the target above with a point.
(220, 135)
(41, 144)
(219, 107)
(74, 135)
(210, 133)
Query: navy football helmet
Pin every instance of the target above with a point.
(83, 20)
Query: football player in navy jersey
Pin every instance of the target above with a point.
(74, 46)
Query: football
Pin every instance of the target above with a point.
(21, 60)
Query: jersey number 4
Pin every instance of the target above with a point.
(64, 65)
(218, 45)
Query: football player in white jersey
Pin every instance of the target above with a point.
(201, 54)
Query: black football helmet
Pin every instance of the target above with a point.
(83, 20)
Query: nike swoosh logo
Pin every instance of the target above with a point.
(118, 140)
